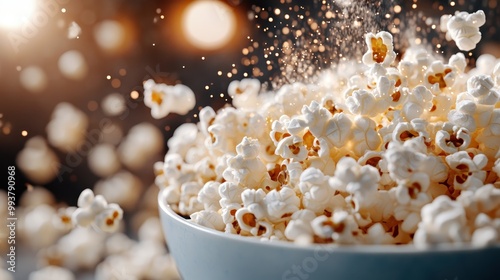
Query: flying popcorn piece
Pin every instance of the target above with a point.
(34, 79)
(463, 28)
(73, 65)
(74, 30)
(37, 161)
(38, 229)
(36, 196)
(122, 188)
(82, 248)
(143, 260)
(143, 142)
(67, 128)
(380, 49)
(63, 220)
(164, 99)
(110, 35)
(113, 104)
(151, 230)
(103, 160)
(95, 211)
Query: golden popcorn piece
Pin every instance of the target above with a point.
(379, 49)
(438, 78)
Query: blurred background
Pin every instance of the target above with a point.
(95, 55)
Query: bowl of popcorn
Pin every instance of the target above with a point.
(383, 169)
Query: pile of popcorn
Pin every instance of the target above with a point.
(390, 152)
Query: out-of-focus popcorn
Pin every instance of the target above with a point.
(63, 219)
(95, 211)
(340, 228)
(37, 161)
(4, 232)
(143, 142)
(299, 226)
(73, 65)
(67, 128)
(164, 99)
(112, 134)
(74, 30)
(118, 243)
(151, 230)
(487, 230)
(36, 196)
(52, 272)
(463, 28)
(443, 221)
(110, 35)
(82, 248)
(496, 74)
(145, 260)
(103, 160)
(33, 78)
(371, 154)
(113, 104)
(5, 274)
(123, 188)
(37, 227)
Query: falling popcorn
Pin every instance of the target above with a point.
(74, 30)
(463, 28)
(73, 65)
(143, 142)
(164, 99)
(96, 212)
(34, 79)
(37, 161)
(113, 104)
(67, 128)
(103, 160)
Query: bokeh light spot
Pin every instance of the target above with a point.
(14, 13)
(208, 25)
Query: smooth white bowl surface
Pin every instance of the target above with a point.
(205, 254)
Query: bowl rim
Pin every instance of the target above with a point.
(359, 248)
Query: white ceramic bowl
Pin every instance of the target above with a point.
(205, 254)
